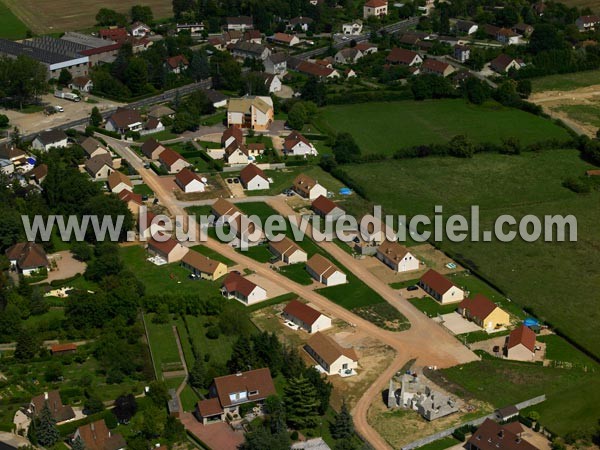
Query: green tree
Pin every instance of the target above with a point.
(158, 393)
(65, 77)
(477, 91)
(343, 427)
(53, 371)
(125, 408)
(109, 17)
(545, 36)
(461, 147)
(152, 422)
(524, 88)
(78, 444)
(314, 91)
(82, 251)
(4, 121)
(276, 413)
(301, 402)
(46, 432)
(345, 149)
(136, 76)
(242, 356)
(198, 374)
(95, 117)
(261, 439)
(297, 116)
(93, 404)
(27, 345)
(140, 13)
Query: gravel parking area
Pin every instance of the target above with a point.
(457, 324)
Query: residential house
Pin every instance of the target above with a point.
(324, 271)
(82, 84)
(307, 318)
(139, 29)
(520, 344)
(523, 29)
(99, 167)
(93, 147)
(177, 64)
(236, 154)
(242, 289)
(466, 27)
(404, 57)
(97, 436)
(118, 181)
(397, 257)
(296, 144)
(253, 178)
(317, 70)
(60, 413)
(327, 209)
(149, 223)
(539, 8)
(253, 36)
(493, 436)
(255, 149)
(503, 63)
(252, 112)
(232, 135)
(27, 257)
(247, 232)
(462, 53)
(308, 188)
(440, 288)
(153, 125)
(134, 201)
(249, 50)
(375, 8)
(240, 23)
(484, 312)
(152, 148)
(276, 63)
(63, 349)
(349, 73)
(287, 251)
(38, 173)
(332, 358)
(314, 443)
(50, 139)
(232, 37)
(507, 36)
(218, 42)
(6, 167)
(203, 267)
(13, 154)
(507, 413)
(160, 111)
(113, 33)
(374, 231)
(587, 23)
(195, 29)
(227, 393)
(218, 100)
(222, 208)
(172, 161)
(436, 67)
(168, 249)
(288, 40)
(272, 82)
(189, 182)
(348, 55)
(366, 48)
(300, 23)
(352, 28)
(124, 120)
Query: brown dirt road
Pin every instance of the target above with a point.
(425, 341)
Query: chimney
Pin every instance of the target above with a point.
(46, 396)
(92, 426)
(501, 434)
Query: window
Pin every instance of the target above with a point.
(253, 393)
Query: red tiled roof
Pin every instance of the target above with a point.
(436, 66)
(59, 412)
(58, 348)
(235, 133)
(314, 69)
(294, 138)
(401, 56)
(28, 255)
(302, 311)
(186, 176)
(436, 281)
(113, 33)
(522, 335)
(237, 283)
(162, 246)
(283, 37)
(376, 3)
(328, 349)
(479, 306)
(124, 117)
(492, 436)
(249, 172)
(258, 381)
(97, 436)
(175, 61)
(203, 263)
(321, 266)
(210, 407)
(128, 196)
(323, 204)
(169, 157)
(99, 50)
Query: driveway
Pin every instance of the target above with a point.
(66, 266)
(217, 436)
(285, 92)
(457, 324)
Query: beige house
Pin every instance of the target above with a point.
(93, 147)
(242, 289)
(332, 358)
(308, 188)
(520, 344)
(149, 224)
(223, 208)
(172, 161)
(203, 266)
(252, 112)
(307, 318)
(484, 312)
(375, 8)
(236, 153)
(288, 251)
(397, 257)
(327, 209)
(152, 148)
(134, 201)
(169, 250)
(118, 181)
(324, 271)
(375, 231)
(440, 288)
(99, 167)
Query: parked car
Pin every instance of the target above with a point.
(412, 288)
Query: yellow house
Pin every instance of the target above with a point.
(203, 266)
(484, 312)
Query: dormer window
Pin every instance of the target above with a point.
(253, 393)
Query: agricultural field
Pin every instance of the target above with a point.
(567, 81)
(588, 113)
(527, 273)
(385, 127)
(65, 15)
(10, 25)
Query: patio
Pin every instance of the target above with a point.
(456, 323)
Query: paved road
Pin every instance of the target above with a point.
(425, 341)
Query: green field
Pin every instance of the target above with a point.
(163, 346)
(385, 127)
(539, 275)
(589, 113)
(10, 25)
(566, 82)
(142, 189)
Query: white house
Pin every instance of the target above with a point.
(327, 209)
(139, 29)
(324, 271)
(587, 23)
(440, 287)
(352, 28)
(374, 230)
(308, 188)
(520, 344)
(307, 318)
(118, 181)
(242, 289)
(255, 112)
(169, 250)
(236, 154)
(285, 39)
(194, 29)
(287, 251)
(276, 63)
(397, 257)
(82, 84)
(189, 182)
(296, 144)
(273, 83)
(466, 27)
(50, 139)
(253, 178)
(27, 257)
(375, 8)
(332, 358)
(124, 120)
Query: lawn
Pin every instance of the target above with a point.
(297, 273)
(213, 255)
(163, 346)
(567, 81)
(539, 275)
(10, 25)
(432, 307)
(503, 383)
(558, 349)
(219, 349)
(588, 114)
(385, 127)
(142, 189)
(441, 444)
(164, 135)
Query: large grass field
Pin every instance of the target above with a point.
(10, 25)
(558, 280)
(566, 81)
(385, 127)
(163, 346)
(63, 15)
(588, 113)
